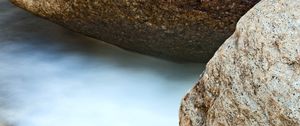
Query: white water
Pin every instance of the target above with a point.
(50, 76)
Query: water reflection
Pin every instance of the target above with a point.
(50, 76)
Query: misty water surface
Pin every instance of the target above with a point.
(50, 76)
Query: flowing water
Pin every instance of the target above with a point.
(50, 76)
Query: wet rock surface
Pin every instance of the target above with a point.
(254, 78)
(189, 30)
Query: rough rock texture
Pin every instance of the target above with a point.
(190, 30)
(254, 78)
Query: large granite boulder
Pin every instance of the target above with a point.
(190, 30)
(254, 78)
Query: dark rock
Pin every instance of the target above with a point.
(183, 30)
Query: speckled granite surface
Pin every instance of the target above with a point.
(254, 77)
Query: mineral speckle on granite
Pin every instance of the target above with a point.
(254, 77)
(190, 30)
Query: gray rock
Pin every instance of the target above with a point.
(190, 30)
(254, 78)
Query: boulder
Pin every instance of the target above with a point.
(254, 77)
(183, 30)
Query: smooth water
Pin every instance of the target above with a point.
(50, 76)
